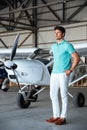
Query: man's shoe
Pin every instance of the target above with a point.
(60, 121)
(52, 120)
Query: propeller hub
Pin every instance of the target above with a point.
(8, 64)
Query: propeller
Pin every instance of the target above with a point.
(14, 48)
(9, 63)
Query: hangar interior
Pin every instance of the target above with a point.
(35, 20)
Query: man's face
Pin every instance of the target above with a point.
(59, 35)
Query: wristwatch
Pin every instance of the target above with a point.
(70, 70)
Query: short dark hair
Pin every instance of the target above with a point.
(62, 29)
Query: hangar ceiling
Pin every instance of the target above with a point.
(35, 14)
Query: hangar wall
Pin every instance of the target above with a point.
(75, 33)
(9, 38)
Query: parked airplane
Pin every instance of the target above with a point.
(33, 73)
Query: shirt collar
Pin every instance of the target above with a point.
(61, 42)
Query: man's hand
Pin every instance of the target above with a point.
(68, 72)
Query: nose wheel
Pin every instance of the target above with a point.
(22, 102)
(25, 98)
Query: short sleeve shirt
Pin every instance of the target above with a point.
(62, 56)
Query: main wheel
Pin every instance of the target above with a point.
(21, 102)
(79, 100)
(32, 96)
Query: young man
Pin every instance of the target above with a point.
(65, 61)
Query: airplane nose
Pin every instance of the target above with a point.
(8, 64)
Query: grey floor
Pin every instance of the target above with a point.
(33, 118)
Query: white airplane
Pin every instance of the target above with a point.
(33, 73)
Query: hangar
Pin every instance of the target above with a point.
(34, 20)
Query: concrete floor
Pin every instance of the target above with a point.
(33, 118)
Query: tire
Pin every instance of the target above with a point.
(38, 88)
(79, 100)
(33, 98)
(21, 102)
(5, 85)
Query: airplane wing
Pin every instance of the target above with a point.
(21, 52)
(81, 48)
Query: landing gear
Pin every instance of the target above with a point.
(5, 85)
(79, 100)
(28, 94)
(22, 103)
(32, 96)
(25, 98)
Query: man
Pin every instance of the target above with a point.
(65, 61)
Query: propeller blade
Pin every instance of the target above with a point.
(14, 48)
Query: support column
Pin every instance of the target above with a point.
(35, 32)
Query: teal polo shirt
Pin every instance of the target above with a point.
(62, 56)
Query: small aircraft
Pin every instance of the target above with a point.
(5, 54)
(32, 74)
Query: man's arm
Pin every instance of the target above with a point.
(75, 62)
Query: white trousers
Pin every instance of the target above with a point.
(59, 81)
